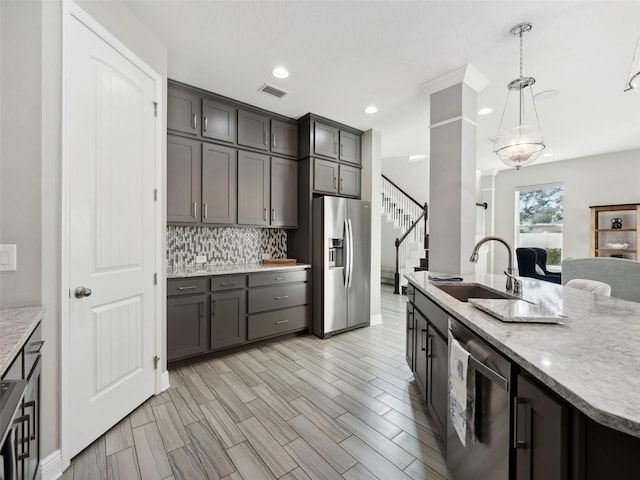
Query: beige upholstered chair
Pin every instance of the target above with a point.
(622, 275)
(592, 286)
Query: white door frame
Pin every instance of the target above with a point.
(71, 11)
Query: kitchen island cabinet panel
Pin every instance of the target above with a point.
(420, 372)
(438, 378)
(183, 179)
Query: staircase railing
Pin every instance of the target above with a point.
(406, 211)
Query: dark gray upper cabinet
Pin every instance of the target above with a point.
(253, 130)
(183, 111)
(218, 121)
(183, 180)
(349, 181)
(284, 192)
(325, 176)
(219, 182)
(253, 188)
(284, 138)
(325, 140)
(350, 148)
(228, 318)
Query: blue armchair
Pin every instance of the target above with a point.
(532, 262)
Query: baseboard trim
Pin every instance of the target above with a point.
(164, 381)
(376, 319)
(52, 466)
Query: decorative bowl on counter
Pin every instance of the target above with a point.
(617, 246)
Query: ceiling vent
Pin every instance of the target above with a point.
(271, 90)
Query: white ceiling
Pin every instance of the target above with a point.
(346, 55)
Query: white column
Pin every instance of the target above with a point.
(452, 175)
(372, 192)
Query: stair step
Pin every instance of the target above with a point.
(424, 262)
(420, 269)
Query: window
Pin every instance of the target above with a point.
(539, 219)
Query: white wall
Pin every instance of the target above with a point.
(41, 172)
(413, 178)
(612, 178)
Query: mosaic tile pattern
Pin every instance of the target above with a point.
(223, 245)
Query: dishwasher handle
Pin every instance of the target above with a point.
(486, 371)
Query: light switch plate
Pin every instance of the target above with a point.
(8, 260)
(201, 259)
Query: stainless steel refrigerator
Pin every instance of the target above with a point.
(341, 264)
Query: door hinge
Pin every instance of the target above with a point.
(155, 194)
(155, 109)
(156, 359)
(155, 278)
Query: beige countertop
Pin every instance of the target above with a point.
(16, 324)
(592, 360)
(234, 269)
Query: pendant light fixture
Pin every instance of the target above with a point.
(522, 144)
(633, 81)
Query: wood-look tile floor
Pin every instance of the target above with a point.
(303, 408)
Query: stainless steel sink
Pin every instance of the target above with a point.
(464, 292)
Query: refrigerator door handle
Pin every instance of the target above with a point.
(347, 248)
(350, 253)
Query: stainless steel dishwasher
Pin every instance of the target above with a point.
(488, 458)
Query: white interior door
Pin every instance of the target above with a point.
(110, 167)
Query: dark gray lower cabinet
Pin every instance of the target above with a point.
(186, 326)
(438, 377)
(228, 318)
(410, 337)
(420, 373)
(541, 432)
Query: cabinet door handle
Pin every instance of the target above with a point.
(422, 336)
(213, 307)
(37, 346)
(32, 435)
(280, 278)
(341, 184)
(195, 210)
(188, 287)
(226, 284)
(205, 124)
(194, 121)
(281, 322)
(429, 346)
(341, 149)
(282, 297)
(205, 210)
(334, 182)
(517, 443)
(274, 140)
(264, 217)
(335, 147)
(273, 214)
(265, 139)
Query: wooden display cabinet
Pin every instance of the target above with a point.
(620, 242)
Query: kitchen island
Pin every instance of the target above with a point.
(589, 366)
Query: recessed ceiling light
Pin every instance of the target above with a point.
(280, 72)
(546, 95)
(548, 154)
(370, 109)
(485, 111)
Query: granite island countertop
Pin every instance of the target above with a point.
(235, 269)
(16, 324)
(592, 360)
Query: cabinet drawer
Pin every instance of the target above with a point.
(276, 277)
(281, 321)
(270, 298)
(185, 286)
(32, 350)
(434, 314)
(227, 282)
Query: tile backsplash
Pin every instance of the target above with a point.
(223, 245)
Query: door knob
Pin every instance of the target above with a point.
(82, 292)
